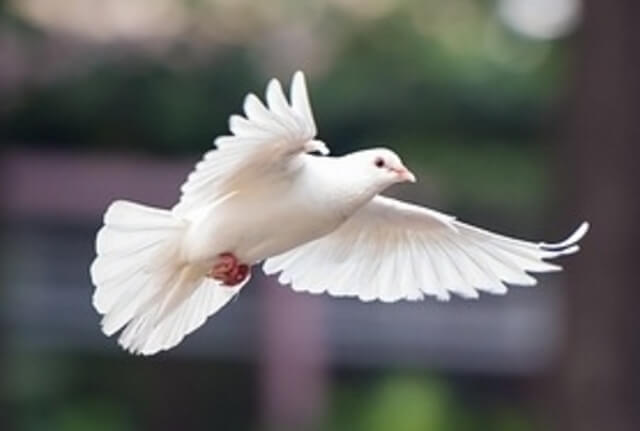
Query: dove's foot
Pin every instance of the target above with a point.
(229, 270)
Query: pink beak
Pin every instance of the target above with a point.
(405, 174)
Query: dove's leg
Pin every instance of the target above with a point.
(228, 270)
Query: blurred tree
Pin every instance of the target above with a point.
(600, 383)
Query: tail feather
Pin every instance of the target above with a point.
(126, 249)
(144, 337)
(134, 216)
(141, 284)
(134, 299)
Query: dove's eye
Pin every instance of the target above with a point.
(379, 162)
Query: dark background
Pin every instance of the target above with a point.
(521, 116)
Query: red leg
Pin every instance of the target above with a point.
(228, 270)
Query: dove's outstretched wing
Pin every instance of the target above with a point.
(391, 250)
(266, 141)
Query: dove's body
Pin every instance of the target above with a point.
(275, 215)
(317, 221)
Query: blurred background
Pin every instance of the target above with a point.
(521, 116)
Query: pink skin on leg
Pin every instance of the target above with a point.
(228, 270)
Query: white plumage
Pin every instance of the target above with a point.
(391, 250)
(318, 221)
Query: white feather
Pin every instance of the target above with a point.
(261, 143)
(300, 102)
(143, 286)
(404, 252)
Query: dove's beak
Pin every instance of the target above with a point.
(406, 175)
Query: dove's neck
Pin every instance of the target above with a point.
(348, 188)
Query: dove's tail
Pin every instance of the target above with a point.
(143, 286)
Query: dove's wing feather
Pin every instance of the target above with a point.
(391, 250)
(266, 141)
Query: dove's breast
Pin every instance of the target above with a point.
(264, 221)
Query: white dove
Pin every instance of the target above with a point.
(319, 221)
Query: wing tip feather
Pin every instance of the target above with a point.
(571, 241)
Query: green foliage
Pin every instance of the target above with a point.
(146, 106)
(493, 175)
(408, 402)
(387, 80)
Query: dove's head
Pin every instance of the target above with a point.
(382, 167)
